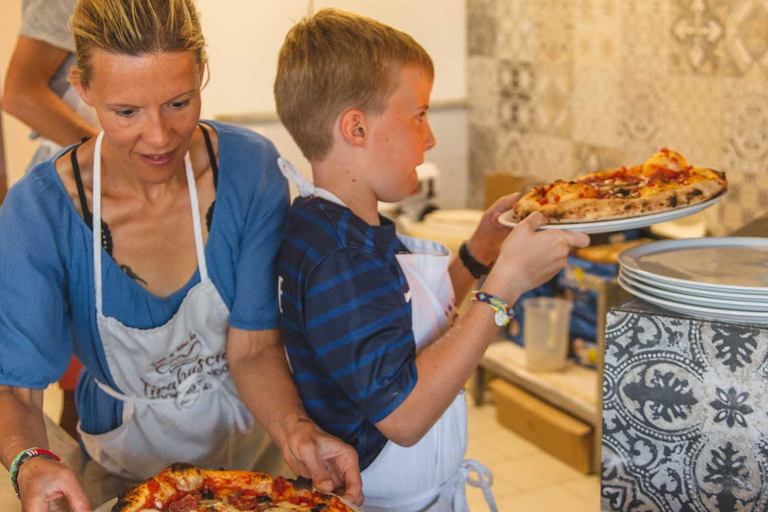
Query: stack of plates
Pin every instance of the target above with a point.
(723, 279)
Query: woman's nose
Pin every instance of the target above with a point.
(156, 131)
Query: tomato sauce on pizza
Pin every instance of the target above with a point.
(664, 182)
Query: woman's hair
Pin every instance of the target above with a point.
(332, 62)
(135, 27)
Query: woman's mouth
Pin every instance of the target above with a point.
(158, 159)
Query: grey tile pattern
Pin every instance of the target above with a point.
(609, 82)
(684, 417)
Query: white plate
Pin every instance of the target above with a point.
(695, 300)
(754, 296)
(732, 265)
(607, 226)
(720, 315)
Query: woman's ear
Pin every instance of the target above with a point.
(75, 79)
(353, 126)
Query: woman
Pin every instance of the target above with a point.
(97, 248)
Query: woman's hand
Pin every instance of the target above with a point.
(331, 463)
(529, 258)
(42, 482)
(485, 242)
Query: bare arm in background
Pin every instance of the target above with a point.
(27, 96)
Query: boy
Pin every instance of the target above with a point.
(367, 314)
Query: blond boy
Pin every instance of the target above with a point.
(367, 314)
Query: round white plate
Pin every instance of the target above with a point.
(754, 296)
(695, 300)
(607, 226)
(720, 315)
(733, 265)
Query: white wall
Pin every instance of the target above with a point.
(244, 37)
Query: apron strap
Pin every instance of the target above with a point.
(484, 481)
(97, 260)
(306, 188)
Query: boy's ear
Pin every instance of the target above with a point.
(353, 126)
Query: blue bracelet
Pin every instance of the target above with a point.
(504, 313)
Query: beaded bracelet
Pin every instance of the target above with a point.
(29, 453)
(504, 313)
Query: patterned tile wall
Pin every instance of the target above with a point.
(562, 87)
(684, 419)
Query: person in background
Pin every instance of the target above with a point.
(369, 316)
(150, 251)
(37, 93)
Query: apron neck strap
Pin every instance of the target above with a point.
(97, 234)
(306, 188)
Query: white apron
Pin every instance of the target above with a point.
(179, 400)
(430, 475)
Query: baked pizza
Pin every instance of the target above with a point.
(186, 488)
(664, 182)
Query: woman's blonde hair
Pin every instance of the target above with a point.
(332, 62)
(135, 27)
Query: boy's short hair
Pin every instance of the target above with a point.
(332, 62)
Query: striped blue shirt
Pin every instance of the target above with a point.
(346, 322)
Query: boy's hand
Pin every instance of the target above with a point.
(529, 258)
(328, 461)
(486, 241)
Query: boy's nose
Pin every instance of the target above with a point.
(430, 140)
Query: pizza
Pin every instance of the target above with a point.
(186, 488)
(664, 182)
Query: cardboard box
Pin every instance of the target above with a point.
(501, 184)
(549, 428)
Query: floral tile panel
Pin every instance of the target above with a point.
(685, 421)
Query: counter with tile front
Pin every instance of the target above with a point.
(685, 413)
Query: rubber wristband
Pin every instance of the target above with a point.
(475, 268)
(504, 313)
(21, 458)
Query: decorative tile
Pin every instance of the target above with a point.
(552, 104)
(553, 34)
(481, 27)
(748, 43)
(483, 91)
(482, 161)
(549, 158)
(647, 49)
(695, 119)
(597, 34)
(642, 113)
(511, 156)
(698, 40)
(595, 103)
(593, 158)
(514, 30)
(683, 414)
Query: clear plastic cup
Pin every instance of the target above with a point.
(545, 333)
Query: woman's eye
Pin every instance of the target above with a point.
(128, 112)
(179, 104)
